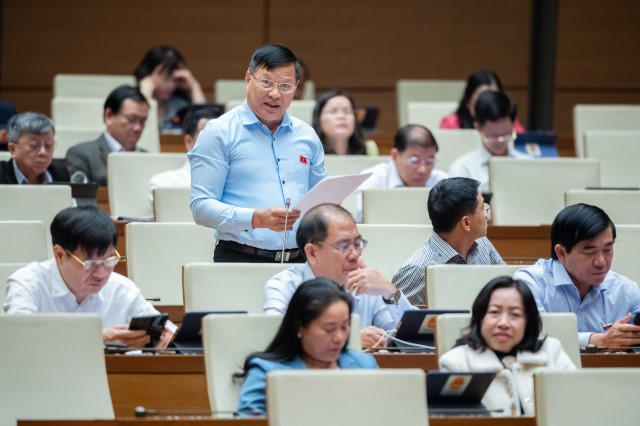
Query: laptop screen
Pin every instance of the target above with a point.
(418, 326)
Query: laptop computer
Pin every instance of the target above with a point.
(188, 338)
(416, 328)
(537, 143)
(457, 393)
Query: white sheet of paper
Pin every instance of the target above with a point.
(332, 189)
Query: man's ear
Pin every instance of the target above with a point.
(58, 252)
(561, 252)
(394, 154)
(465, 222)
(310, 253)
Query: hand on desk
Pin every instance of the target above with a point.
(372, 335)
(621, 333)
(273, 218)
(122, 334)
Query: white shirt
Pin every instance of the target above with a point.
(475, 165)
(39, 288)
(385, 175)
(114, 145)
(177, 178)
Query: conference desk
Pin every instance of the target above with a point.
(209, 421)
(178, 382)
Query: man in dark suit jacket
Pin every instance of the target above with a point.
(125, 114)
(31, 143)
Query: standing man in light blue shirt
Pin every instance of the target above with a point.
(578, 278)
(253, 163)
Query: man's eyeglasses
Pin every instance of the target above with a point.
(347, 246)
(87, 265)
(486, 208)
(501, 139)
(285, 88)
(132, 119)
(48, 146)
(416, 161)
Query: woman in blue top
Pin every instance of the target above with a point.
(314, 334)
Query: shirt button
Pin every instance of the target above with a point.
(283, 182)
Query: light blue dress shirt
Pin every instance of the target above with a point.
(606, 303)
(371, 309)
(238, 165)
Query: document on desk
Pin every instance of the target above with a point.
(332, 189)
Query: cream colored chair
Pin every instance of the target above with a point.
(425, 91)
(28, 241)
(67, 136)
(34, 202)
(232, 103)
(395, 205)
(128, 177)
(617, 151)
(531, 192)
(622, 206)
(226, 90)
(589, 397)
(602, 117)
(625, 258)
(429, 114)
(456, 286)
(88, 113)
(453, 144)
(563, 326)
(5, 155)
(172, 204)
(390, 246)
(227, 286)
(228, 339)
(6, 269)
(302, 109)
(156, 253)
(89, 85)
(327, 391)
(53, 367)
(338, 165)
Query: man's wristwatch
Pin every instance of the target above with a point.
(393, 300)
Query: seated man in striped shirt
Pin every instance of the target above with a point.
(459, 217)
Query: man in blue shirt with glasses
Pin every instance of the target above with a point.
(252, 164)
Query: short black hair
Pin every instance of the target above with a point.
(475, 80)
(86, 227)
(450, 200)
(414, 135)
(308, 302)
(576, 223)
(121, 93)
(193, 117)
(533, 327)
(356, 144)
(169, 59)
(493, 106)
(314, 225)
(272, 56)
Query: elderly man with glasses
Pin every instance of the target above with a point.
(80, 279)
(330, 242)
(31, 144)
(459, 217)
(253, 163)
(494, 119)
(412, 164)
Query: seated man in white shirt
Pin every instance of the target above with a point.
(494, 119)
(412, 162)
(193, 123)
(80, 278)
(332, 246)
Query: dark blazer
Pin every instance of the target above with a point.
(91, 159)
(57, 169)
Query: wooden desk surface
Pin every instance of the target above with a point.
(201, 421)
(135, 380)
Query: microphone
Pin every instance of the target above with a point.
(141, 411)
(286, 219)
(79, 177)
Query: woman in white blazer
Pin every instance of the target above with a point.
(504, 337)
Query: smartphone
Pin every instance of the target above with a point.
(153, 325)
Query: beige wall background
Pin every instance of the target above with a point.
(361, 46)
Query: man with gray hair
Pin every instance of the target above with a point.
(31, 144)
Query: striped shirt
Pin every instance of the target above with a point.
(410, 279)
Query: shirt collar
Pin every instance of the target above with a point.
(443, 252)
(114, 145)
(22, 179)
(485, 155)
(561, 277)
(249, 117)
(395, 181)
